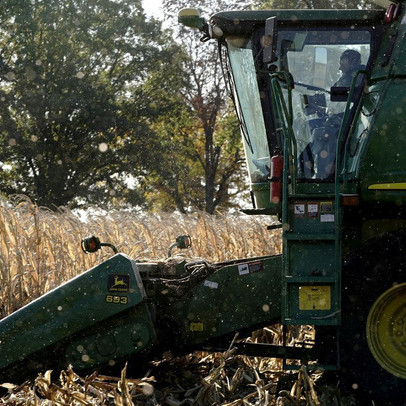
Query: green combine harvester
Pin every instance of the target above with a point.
(321, 100)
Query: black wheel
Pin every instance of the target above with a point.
(373, 330)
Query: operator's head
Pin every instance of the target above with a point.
(350, 60)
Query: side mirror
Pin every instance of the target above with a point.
(269, 41)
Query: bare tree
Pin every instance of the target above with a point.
(206, 96)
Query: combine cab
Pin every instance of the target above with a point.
(319, 96)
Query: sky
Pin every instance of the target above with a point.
(152, 7)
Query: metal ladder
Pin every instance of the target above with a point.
(311, 282)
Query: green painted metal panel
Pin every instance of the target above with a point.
(241, 295)
(310, 259)
(102, 292)
(118, 337)
(383, 166)
(262, 198)
(229, 20)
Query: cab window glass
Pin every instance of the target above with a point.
(318, 61)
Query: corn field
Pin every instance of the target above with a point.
(40, 249)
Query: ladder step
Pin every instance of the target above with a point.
(309, 237)
(310, 279)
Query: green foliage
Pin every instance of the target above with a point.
(78, 91)
(175, 181)
(178, 181)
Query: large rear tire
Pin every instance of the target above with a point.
(373, 330)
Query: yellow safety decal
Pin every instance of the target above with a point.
(314, 298)
(196, 326)
(388, 186)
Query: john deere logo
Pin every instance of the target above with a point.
(119, 283)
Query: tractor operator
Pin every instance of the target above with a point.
(318, 158)
(350, 63)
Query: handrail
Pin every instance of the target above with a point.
(285, 115)
(338, 166)
(352, 126)
(341, 132)
(279, 102)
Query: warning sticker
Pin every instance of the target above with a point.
(326, 207)
(210, 284)
(245, 269)
(327, 218)
(314, 298)
(256, 266)
(299, 209)
(312, 209)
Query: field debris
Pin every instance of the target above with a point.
(198, 379)
(74, 390)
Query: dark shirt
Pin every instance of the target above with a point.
(346, 78)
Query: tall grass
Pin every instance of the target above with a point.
(40, 249)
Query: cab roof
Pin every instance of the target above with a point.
(244, 22)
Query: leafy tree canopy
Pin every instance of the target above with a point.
(80, 83)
